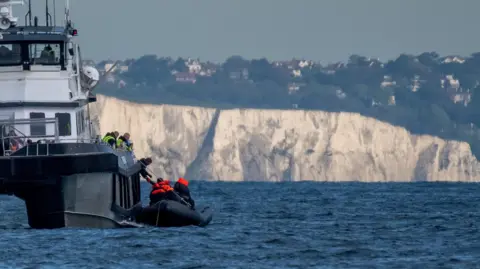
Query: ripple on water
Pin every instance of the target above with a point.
(266, 225)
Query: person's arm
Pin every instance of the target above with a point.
(149, 180)
(144, 173)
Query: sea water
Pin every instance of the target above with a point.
(273, 225)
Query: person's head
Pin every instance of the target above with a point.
(148, 161)
(127, 136)
(115, 134)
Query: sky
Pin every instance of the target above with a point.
(319, 30)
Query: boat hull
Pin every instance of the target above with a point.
(170, 213)
(76, 185)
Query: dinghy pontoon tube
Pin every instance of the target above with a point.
(168, 213)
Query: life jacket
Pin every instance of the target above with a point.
(129, 145)
(161, 187)
(107, 137)
(121, 142)
(183, 181)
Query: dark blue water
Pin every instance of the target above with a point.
(273, 225)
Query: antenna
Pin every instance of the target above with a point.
(29, 14)
(54, 12)
(47, 15)
(67, 12)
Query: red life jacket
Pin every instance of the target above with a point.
(161, 187)
(183, 181)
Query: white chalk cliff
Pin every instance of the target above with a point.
(275, 145)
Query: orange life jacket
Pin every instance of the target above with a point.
(161, 187)
(183, 181)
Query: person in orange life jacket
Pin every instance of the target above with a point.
(160, 191)
(163, 191)
(181, 188)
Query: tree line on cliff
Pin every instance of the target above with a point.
(426, 93)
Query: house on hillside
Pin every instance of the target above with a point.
(305, 63)
(111, 67)
(461, 97)
(391, 100)
(185, 77)
(297, 73)
(194, 66)
(416, 83)
(387, 82)
(295, 87)
(453, 59)
(123, 68)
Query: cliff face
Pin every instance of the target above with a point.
(274, 145)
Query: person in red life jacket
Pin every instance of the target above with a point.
(181, 188)
(161, 191)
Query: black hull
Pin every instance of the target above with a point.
(173, 214)
(73, 185)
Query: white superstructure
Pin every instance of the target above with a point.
(42, 77)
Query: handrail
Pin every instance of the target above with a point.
(76, 140)
(21, 140)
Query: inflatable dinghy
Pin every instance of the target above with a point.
(168, 213)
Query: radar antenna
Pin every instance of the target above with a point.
(7, 19)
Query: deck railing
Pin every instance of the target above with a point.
(13, 139)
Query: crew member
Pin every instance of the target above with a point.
(181, 188)
(48, 55)
(144, 162)
(111, 138)
(122, 141)
(129, 145)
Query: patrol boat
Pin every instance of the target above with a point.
(49, 155)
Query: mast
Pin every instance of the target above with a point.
(54, 13)
(29, 14)
(67, 12)
(46, 12)
(48, 16)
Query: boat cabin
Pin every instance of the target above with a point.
(40, 81)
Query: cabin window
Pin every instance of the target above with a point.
(45, 54)
(64, 124)
(10, 54)
(37, 128)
